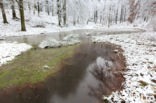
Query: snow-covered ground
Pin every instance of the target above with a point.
(140, 52)
(45, 24)
(8, 51)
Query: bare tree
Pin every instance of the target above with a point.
(64, 13)
(95, 16)
(21, 10)
(13, 9)
(38, 8)
(3, 12)
(59, 12)
(121, 15)
(116, 17)
(52, 7)
(47, 7)
(35, 8)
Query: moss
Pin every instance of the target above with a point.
(29, 66)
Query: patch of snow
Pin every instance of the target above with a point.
(150, 36)
(67, 41)
(46, 67)
(50, 43)
(140, 53)
(8, 51)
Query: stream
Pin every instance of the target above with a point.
(95, 70)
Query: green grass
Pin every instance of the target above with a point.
(29, 66)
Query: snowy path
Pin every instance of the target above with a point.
(140, 53)
(8, 51)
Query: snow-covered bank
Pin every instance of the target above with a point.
(8, 51)
(140, 53)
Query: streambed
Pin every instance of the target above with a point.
(94, 70)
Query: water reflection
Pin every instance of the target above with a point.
(84, 78)
(110, 79)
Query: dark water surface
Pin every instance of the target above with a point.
(93, 71)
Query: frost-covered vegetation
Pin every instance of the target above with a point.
(121, 22)
(40, 16)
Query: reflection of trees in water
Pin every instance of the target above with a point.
(109, 76)
(66, 82)
(106, 85)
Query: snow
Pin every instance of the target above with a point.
(36, 25)
(140, 52)
(140, 48)
(8, 51)
(45, 24)
(67, 41)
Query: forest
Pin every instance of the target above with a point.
(73, 12)
(77, 51)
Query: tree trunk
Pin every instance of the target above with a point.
(121, 15)
(109, 17)
(52, 8)
(21, 10)
(95, 16)
(125, 15)
(35, 8)
(13, 10)
(3, 12)
(38, 8)
(116, 17)
(59, 12)
(47, 7)
(29, 6)
(64, 13)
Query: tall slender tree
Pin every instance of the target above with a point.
(38, 8)
(95, 16)
(3, 12)
(116, 17)
(64, 13)
(59, 12)
(47, 7)
(21, 10)
(121, 14)
(13, 9)
(52, 7)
